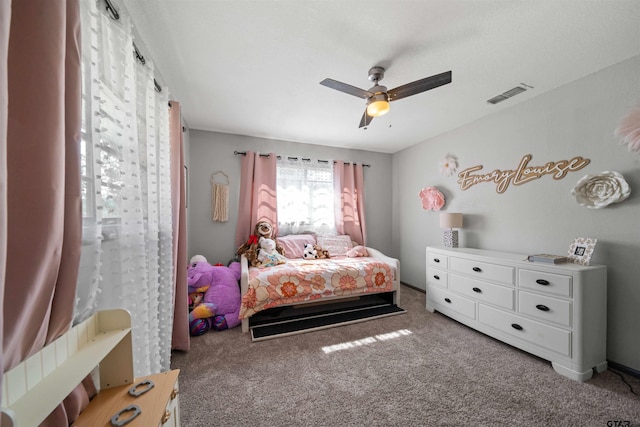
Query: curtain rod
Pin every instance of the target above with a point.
(244, 153)
(112, 10)
(116, 17)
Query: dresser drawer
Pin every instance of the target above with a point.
(558, 312)
(501, 296)
(483, 270)
(545, 282)
(451, 301)
(552, 338)
(437, 260)
(437, 277)
(545, 308)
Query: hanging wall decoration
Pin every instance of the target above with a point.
(629, 130)
(219, 198)
(598, 191)
(448, 165)
(522, 174)
(432, 199)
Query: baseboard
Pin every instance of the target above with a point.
(413, 287)
(624, 369)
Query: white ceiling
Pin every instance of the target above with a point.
(254, 67)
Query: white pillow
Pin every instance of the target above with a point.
(336, 245)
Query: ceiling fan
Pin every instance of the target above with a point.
(378, 97)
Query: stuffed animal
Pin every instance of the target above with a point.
(322, 253)
(249, 250)
(197, 258)
(220, 305)
(268, 256)
(195, 299)
(357, 251)
(251, 247)
(309, 252)
(196, 296)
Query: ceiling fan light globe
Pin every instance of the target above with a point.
(378, 108)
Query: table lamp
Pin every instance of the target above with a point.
(449, 221)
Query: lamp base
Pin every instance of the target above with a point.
(450, 238)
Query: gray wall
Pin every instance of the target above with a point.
(577, 119)
(210, 152)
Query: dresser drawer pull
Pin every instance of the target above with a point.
(477, 269)
(542, 282)
(174, 393)
(436, 260)
(166, 417)
(478, 290)
(447, 300)
(516, 326)
(542, 307)
(435, 276)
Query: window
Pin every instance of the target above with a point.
(305, 196)
(103, 119)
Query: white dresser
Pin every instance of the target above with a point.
(557, 312)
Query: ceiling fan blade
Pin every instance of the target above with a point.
(419, 86)
(366, 119)
(348, 89)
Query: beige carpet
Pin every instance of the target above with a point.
(415, 369)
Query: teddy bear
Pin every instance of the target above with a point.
(268, 256)
(219, 307)
(309, 252)
(322, 253)
(251, 247)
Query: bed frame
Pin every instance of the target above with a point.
(393, 296)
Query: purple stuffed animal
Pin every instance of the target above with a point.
(221, 302)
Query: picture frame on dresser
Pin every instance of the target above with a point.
(581, 250)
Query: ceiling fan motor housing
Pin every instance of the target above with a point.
(376, 74)
(378, 89)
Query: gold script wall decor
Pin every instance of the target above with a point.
(522, 174)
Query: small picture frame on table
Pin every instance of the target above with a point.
(581, 250)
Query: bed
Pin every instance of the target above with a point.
(303, 295)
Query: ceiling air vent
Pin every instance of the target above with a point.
(508, 94)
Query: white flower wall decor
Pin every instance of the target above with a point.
(598, 191)
(629, 130)
(448, 165)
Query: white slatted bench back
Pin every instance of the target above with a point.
(32, 389)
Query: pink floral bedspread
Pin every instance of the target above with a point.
(307, 280)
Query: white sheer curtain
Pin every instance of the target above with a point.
(127, 225)
(305, 196)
